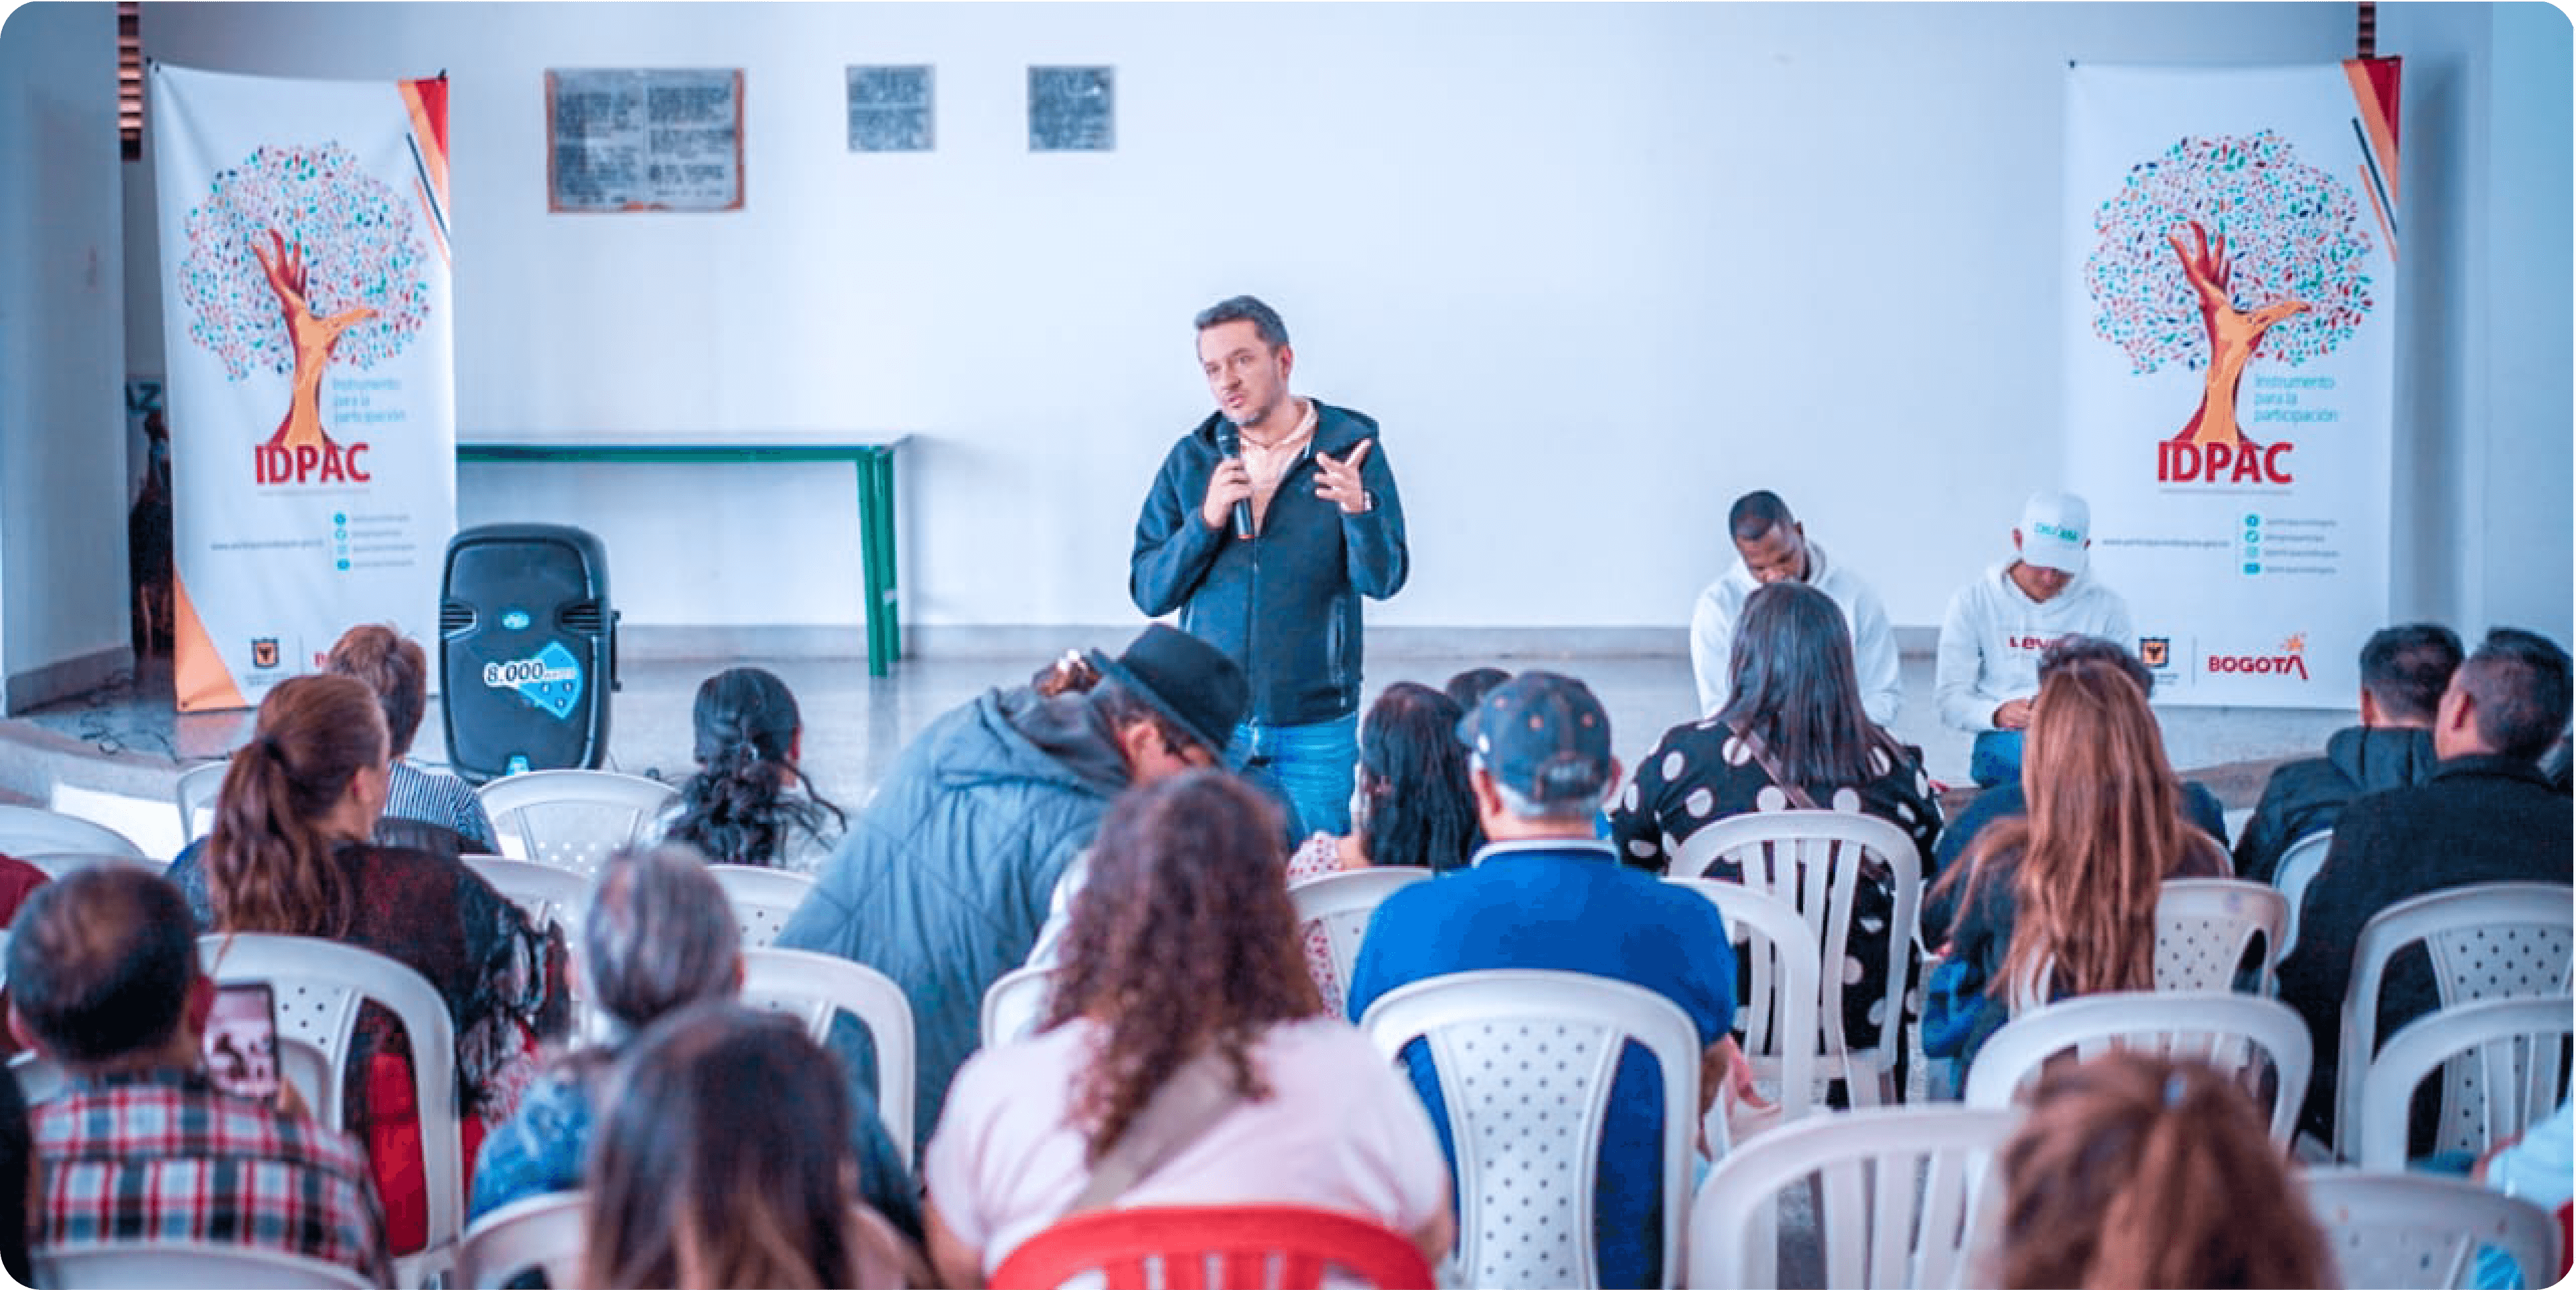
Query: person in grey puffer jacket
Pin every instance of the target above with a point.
(2404, 670)
(944, 877)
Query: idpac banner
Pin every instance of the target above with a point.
(305, 308)
(2230, 311)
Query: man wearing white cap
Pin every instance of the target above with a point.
(1991, 638)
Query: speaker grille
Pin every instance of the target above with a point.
(455, 616)
(582, 617)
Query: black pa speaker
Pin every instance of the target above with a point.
(527, 650)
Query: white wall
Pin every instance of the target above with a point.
(1599, 268)
(62, 287)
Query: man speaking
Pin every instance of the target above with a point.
(1265, 526)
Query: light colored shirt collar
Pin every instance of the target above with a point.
(1518, 846)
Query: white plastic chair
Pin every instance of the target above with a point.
(58, 863)
(763, 899)
(2297, 868)
(813, 987)
(195, 793)
(571, 819)
(1813, 860)
(206, 1264)
(2205, 926)
(532, 1232)
(1342, 903)
(544, 893)
(2497, 940)
(1781, 1033)
(318, 986)
(1528, 1137)
(1014, 1004)
(2245, 1037)
(2411, 1231)
(2505, 1058)
(30, 831)
(1907, 1198)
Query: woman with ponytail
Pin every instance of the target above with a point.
(749, 803)
(291, 854)
(2135, 1171)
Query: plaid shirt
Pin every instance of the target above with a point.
(160, 1155)
(432, 797)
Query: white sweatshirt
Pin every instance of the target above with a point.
(1873, 641)
(1993, 634)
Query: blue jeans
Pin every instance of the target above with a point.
(1995, 758)
(1312, 765)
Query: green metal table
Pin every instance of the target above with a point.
(874, 463)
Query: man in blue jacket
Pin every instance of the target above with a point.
(1266, 525)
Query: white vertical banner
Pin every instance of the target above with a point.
(2230, 318)
(306, 308)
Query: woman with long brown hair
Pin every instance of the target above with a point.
(1181, 979)
(291, 854)
(2135, 1171)
(2066, 894)
(722, 1161)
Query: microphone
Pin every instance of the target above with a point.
(1229, 444)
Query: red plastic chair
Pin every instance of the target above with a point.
(1214, 1247)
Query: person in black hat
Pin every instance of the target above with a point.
(1546, 893)
(945, 876)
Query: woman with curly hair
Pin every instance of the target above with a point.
(2135, 1171)
(1181, 978)
(750, 803)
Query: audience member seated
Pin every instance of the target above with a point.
(1469, 688)
(946, 876)
(21, 1181)
(2200, 807)
(724, 1161)
(1546, 893)
(1409, 800)
(2067, 893)
(2486, 815)
(1987, 667)
(659, 935)
(750, 803)
(2539, 1166)
(2403, 673)
(2142, 1172)
(452, 817)
(1771, 546)
(1794, 733)
(290, 854)
(1181, 1005)
(141, 1146)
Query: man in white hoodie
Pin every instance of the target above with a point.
(1774, 547)
(1987, 671)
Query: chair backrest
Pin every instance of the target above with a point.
(318, 986)
(1340, 904)
(1287, 1247)
(814, 987)
(1528, 1132)
(2297, 868)
(1781, 1033)
(195, 792)
(1906, 1198)
(545, 893)
(1014, 1004)
(57, 863)
(209, 1264)
(763, 899)
(2261, 1043)
(2503, 1059)
(28, 831)
(571, 819)
(2207, 927)
(534, 1232)
(2415, 1231)
(1813, 860)
(2495, 940)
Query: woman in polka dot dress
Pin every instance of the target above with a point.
(1794, 690)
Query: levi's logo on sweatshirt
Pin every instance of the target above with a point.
(2031, 642)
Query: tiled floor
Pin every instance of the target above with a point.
(855, 724)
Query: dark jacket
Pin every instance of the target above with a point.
(2305, 796)
(2477, 819)
(1284, 605)
(944, 878)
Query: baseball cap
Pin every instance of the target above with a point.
(2054, 529)
(1544, 736)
